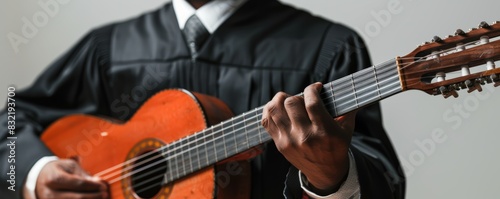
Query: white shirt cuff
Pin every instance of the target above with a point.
(30, 184)
(348, 189)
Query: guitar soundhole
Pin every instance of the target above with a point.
(148, 172)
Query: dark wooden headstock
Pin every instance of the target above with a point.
(465, 60)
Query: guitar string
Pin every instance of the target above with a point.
(159, 169)
(471, 43)
(140, 185)
(181, 146)
(134, 159)
(144, 182)
(407, 65)
(190, 155)
(233, 126)
(153, 184)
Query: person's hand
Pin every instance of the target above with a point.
(309, 138)
(66, 179)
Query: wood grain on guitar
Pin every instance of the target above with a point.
(142, 157)
(168, 150)
(461, 52)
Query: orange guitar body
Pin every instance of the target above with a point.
(168, 116)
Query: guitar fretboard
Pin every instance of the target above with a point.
(245, 131)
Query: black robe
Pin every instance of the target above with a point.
(263, 48)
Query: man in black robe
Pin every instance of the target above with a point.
(262, 48)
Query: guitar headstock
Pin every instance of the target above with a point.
(465, 60)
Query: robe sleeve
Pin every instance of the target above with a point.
(379, 172)
(72, 84)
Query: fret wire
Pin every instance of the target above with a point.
(354, 90)
(241, 132)
(257, 116)
(213, 142)
(234, 135)
(169, 164)
(376, 81)
(224, 140)
(176, 162)
(182, 156)
(246, 131)
(206, 143)
(190, 156)
(201, 143)
(173, 161)
(334, 101)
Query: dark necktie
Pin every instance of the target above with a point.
(196, 34)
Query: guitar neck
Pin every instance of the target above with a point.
(361, 88)
(245, 131)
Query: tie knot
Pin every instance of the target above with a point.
(196, 34)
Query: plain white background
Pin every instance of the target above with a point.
(462, 163)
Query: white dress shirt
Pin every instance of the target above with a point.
(212, 15)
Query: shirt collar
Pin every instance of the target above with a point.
(212, 14)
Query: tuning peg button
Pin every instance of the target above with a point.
(473, 86)
(437, 39)
(459, 32)
(495, 78)
(483, 24)
(447, 92)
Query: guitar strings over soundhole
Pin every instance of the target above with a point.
(144, 173)
(147, 179)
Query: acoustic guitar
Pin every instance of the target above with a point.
(177, 144)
